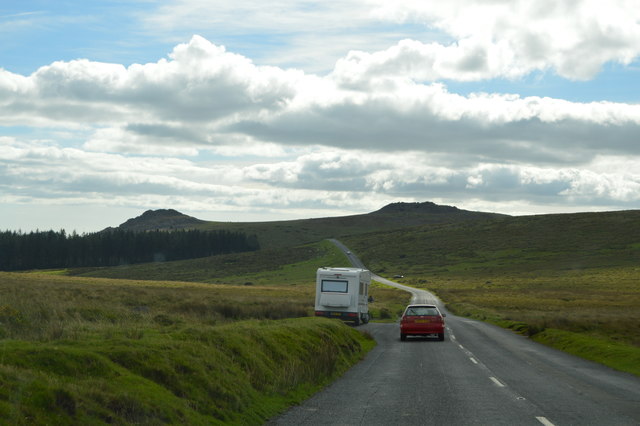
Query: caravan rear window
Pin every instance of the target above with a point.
(334, 286)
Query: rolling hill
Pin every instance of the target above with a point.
(162, 219)
(289, 233)
(422, 239)
(559, 241)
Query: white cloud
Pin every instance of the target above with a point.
(412, 117)
(379, 128)
(476, 40)
(588, 185)
(511, 38)
(313, 184)
(204, 97)
(468, 39)
(200, 82)
(119, 140)
(281, 15)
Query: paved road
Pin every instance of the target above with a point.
(480, 375)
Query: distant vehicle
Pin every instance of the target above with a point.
(343, 293)
(422, 320)
(398, 276)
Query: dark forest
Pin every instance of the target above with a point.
(57, 249)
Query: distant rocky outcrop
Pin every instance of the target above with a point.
(425, 207)
(162, 219)
(414, 214)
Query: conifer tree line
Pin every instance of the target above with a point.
(57, 249)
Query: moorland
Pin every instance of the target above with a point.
(167, 341)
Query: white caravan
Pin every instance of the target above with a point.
(343, 293)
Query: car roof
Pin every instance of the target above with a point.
(423, 305)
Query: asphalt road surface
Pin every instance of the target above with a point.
(480, 375)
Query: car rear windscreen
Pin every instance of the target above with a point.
(334, 286)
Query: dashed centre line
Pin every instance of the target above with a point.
(497, 382)
(473, 359)
(544, 421)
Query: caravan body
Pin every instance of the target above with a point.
(343, 293)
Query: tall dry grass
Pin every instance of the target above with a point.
(602, 302)
(49, 307)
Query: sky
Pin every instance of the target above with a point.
(251, 111)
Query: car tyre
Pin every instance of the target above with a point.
(441, 337)
(403, 337)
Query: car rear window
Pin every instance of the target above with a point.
(334, 286)
(421, 310)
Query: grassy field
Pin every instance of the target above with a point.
(570, 281)
(292, 267)
(278, 266)
(79, 350)
(238, 349)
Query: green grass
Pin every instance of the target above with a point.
(388, 302)
(291, 268)
(520, 244)
(576, 274)
(613, 354)
(79, 350)
(46, 307)
(289, 265)
(602, 302)
(293, 233)
(240, 373)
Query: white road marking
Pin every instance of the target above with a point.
(497, 382)
(473, 360)
(544, 421)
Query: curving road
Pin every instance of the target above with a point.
(480, 375)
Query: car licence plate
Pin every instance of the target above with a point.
(422, 321)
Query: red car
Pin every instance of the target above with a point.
(422, 320)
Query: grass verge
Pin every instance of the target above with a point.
(239, 373)
(613, 354)
(80, 350)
